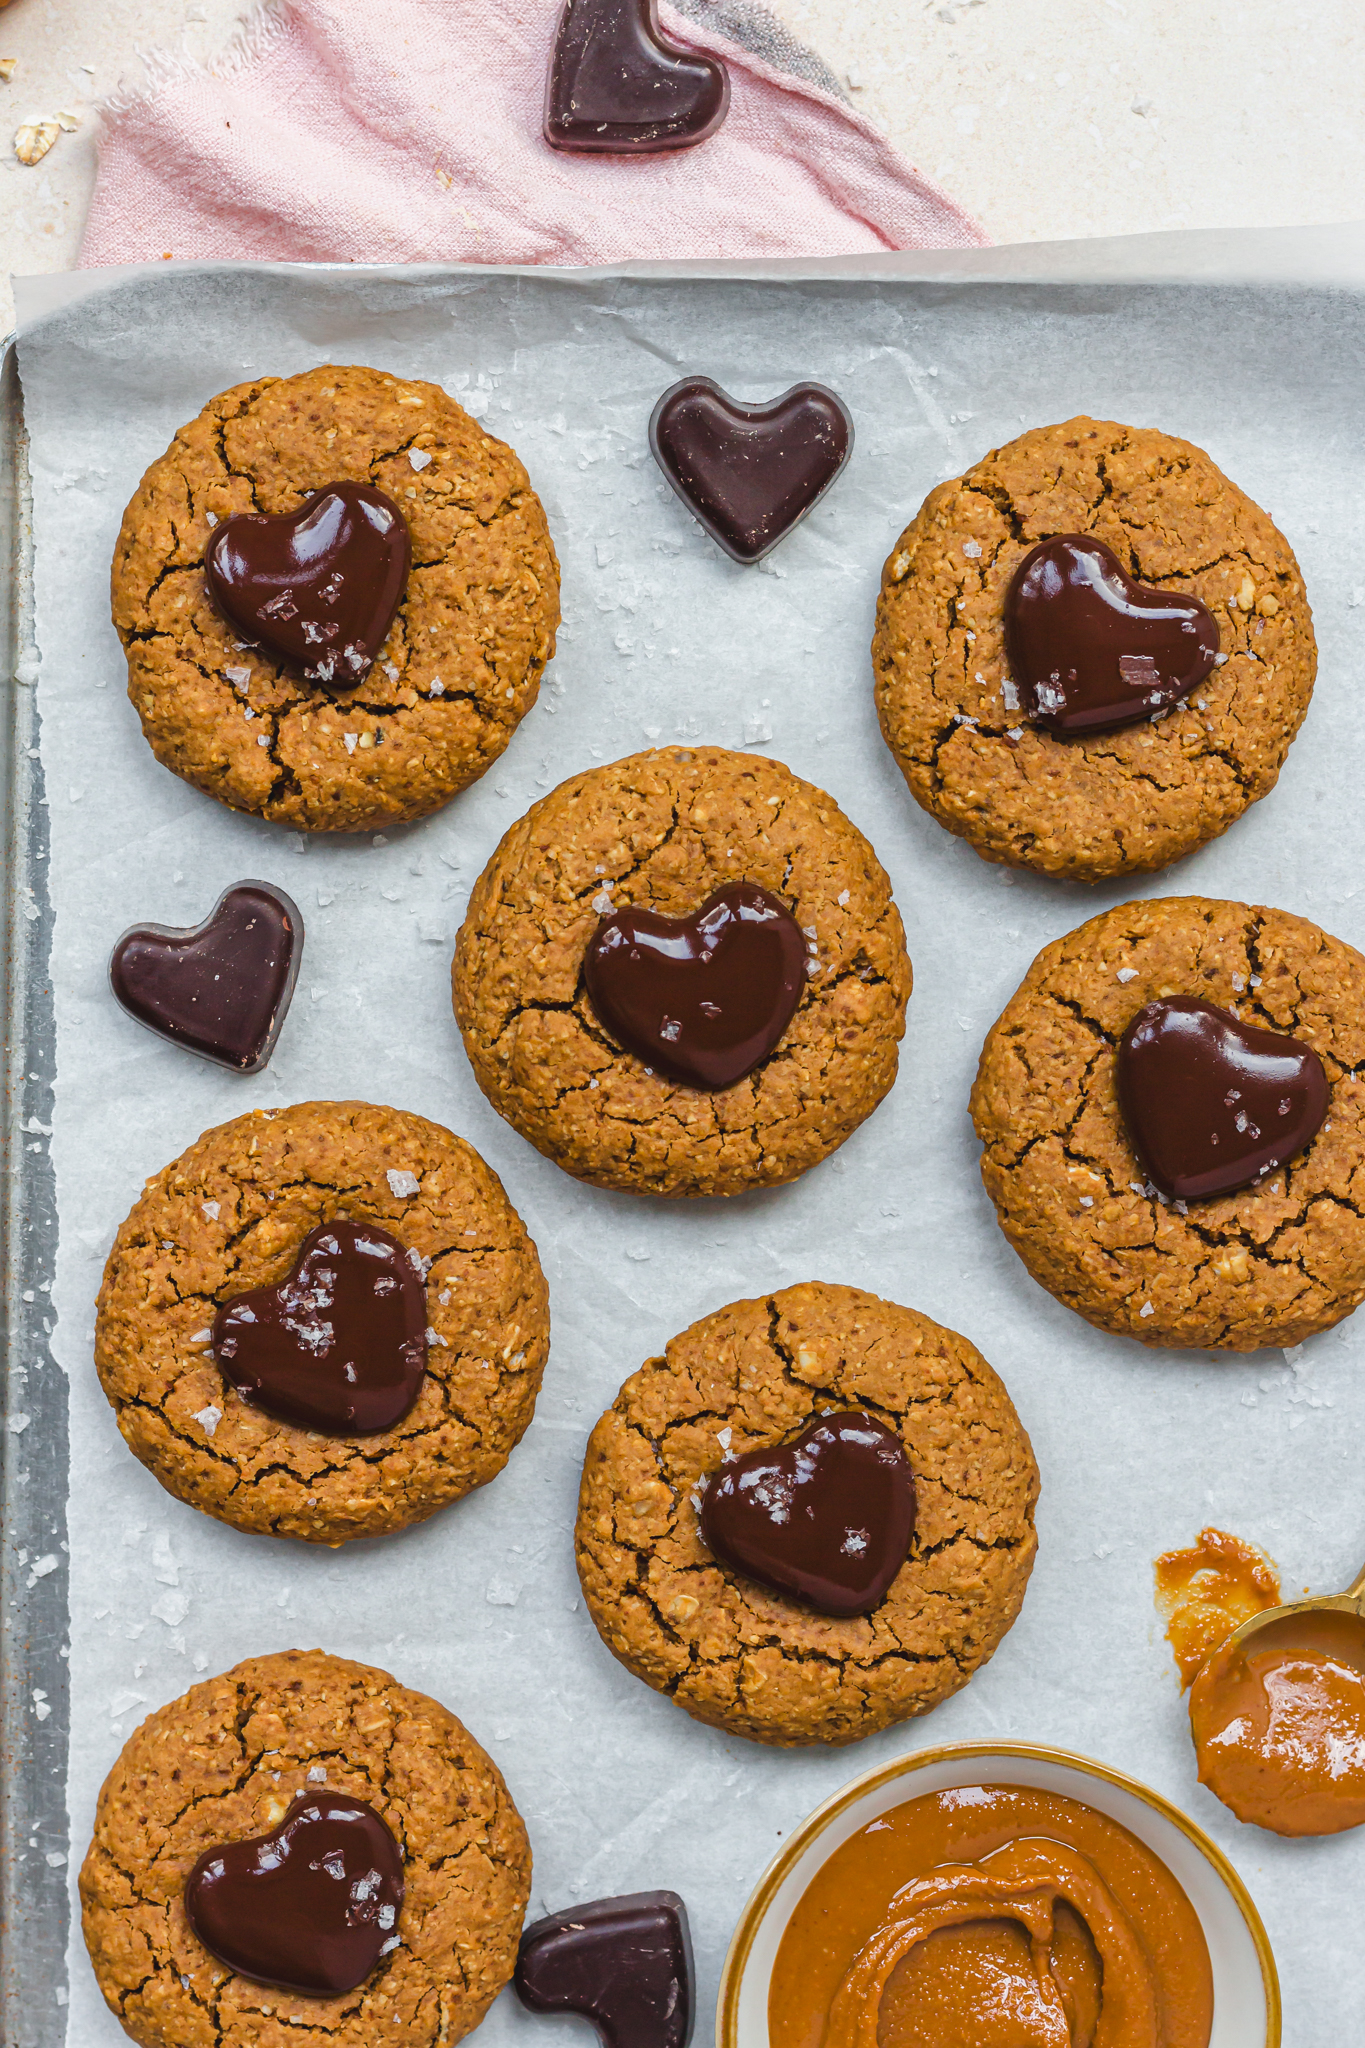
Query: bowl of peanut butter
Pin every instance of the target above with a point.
(998, 1897)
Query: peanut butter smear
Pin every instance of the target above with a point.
(1207, 1592)
(1279, 1724)
(992, 1916)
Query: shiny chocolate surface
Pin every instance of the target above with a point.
(1090, 648)
(749, 473)
(827, 1518)
(340, 1345)
(221, 988)
(625, 1964)
(318, 587)
(617, 85)
(1213, 1104)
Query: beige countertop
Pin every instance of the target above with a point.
(1047, 118)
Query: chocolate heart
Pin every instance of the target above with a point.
(341, 1345)
(625, 1964)
(704, 998)
(749, 473)
(1211, 1104)
(310, 1907)
(827, 1517)
(222, 988)
(1092, 648)
(617, 85)
(318, 587)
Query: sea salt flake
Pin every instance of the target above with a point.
(1126, 974)
(971, 548)
(1146, 1309)
(211, 1210)
(418, 457)
(402, 1183)
(209, 1418)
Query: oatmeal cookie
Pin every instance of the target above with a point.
(462, 662)
(1109, 803)
(756, 1662)
(223, 1764)
(230, 1215)
(1270, 1264)
(666, 830)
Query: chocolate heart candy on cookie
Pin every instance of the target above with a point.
(1091, 648)
(704, 998)
(1213, 1104)
(827, 1517)
(617, 85)
(749, 473)
(317, 587)
(311, 1906)
(222, 988)
(340, 1345)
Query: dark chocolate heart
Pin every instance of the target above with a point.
(341, 1345)
(318, 587)
(1211, 1104)
(704, 998)
(222, 988)
(827, 1517)
(1092, 648)
(310, 1907)
(625, 1964)
(749, 473)
(617, 85)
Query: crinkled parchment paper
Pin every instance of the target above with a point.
(663, 639)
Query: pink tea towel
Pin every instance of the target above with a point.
(408, 131)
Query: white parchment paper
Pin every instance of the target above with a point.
(664, 638)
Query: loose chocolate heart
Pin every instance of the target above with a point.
(1092, 648)
(617, 85)
(625, 1964)
(310, 1907)
(1211, 1104)
(318, 587)
(222, 988)
(341, 1345)
(704, 998)
(749, 473)
(827, 1517)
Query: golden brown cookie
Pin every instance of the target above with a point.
(756, 1662)
(667, 829)
(223, 1765)
(1272, 1264)
(1111, 803)
(229, 1215)
(462, 662)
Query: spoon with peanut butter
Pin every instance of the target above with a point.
(1278, 1716)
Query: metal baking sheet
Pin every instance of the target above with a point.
(1250, 345)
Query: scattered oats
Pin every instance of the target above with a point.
(1126, 974)
(8, 67)
(68, 119)
(402, 1183)
(34, 139)
(209, 1419)
(418, 457)
(971, 548)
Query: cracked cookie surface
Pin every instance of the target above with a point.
(223, 1764)
(462, 662)
(1110, 803)
(666, 829)
(1272, 1264)
(229, 1215)
(756, 1662)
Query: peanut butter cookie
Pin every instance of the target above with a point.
(760, 1663)
(231, 1215)
(461, 663)
(662, 835)
(223, 1766)
(1272, 1263)
(1111, 802)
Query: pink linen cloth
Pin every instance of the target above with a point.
(406, 131)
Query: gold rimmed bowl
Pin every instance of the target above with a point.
(1246, 1989)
